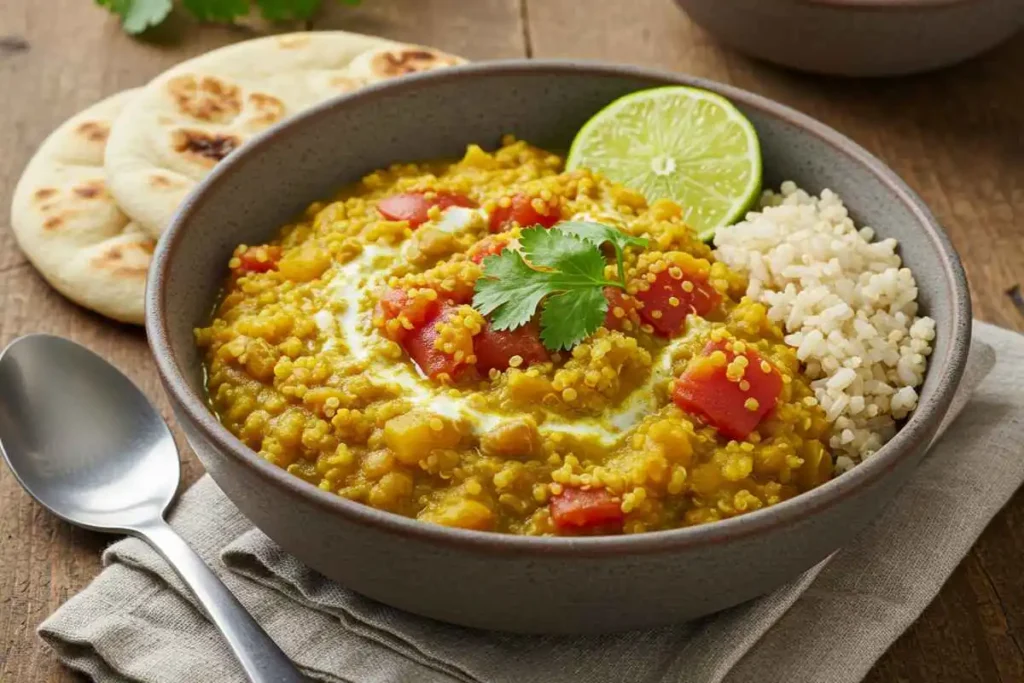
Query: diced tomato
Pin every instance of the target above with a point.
(733, 408)
(392, 303)
(259, 259)
(413, 206)
(617, 299)
(575, 508)
(494, 349)
(488, 246)
(446, 199)
(522, 212)
(419, 344)
(396, 302)
(669, 300)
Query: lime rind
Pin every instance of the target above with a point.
(676, 142)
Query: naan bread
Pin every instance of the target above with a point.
(193, 115)
(68, 225)
(388, 61)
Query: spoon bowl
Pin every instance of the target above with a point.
(100, 468)
(91, 449)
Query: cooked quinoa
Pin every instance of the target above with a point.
(849, 308)
(347, 352)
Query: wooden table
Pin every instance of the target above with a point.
(957, 137)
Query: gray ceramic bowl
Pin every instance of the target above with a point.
(859, 37)
(553, 585)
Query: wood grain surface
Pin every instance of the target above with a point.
(956, 136)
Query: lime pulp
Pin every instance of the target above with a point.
(680, 143)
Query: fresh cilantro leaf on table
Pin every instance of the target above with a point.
(217, 10)
(559, 269)
(281, 10)
(138, 15)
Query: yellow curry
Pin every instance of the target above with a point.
(359, 351)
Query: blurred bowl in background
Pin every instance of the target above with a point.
(859, 37)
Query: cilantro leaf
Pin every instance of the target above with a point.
(217, 10)
(570, 317)
(277, 10)
(574, 262)
(138, 15)
(599, 233)
(553, 267)
(509, 291)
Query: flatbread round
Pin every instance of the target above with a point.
(69, 227)
(193, 115)
(389, 61)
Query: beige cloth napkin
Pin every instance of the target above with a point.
(136, 622)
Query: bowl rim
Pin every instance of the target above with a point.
(921, 425)
(884, 5)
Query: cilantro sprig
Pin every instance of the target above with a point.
(561, 271)
(599, 233)
(139, 15)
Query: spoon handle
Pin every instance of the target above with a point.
(261, 658)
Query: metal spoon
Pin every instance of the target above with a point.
(88, 445)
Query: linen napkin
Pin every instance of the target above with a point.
(136, 622)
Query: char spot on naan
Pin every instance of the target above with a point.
(409, 60)
(206, 148)
(44, 193)
(90, 189)
(93, 131)
(206, 98)
(127, 260)
(267, 109)
(162, 182)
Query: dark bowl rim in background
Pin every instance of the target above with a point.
(921, 425)
(883, 5)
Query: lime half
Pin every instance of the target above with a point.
(679, 143)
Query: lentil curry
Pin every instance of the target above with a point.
(349, 352)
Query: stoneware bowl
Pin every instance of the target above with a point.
(515, 583)
(859, 37)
